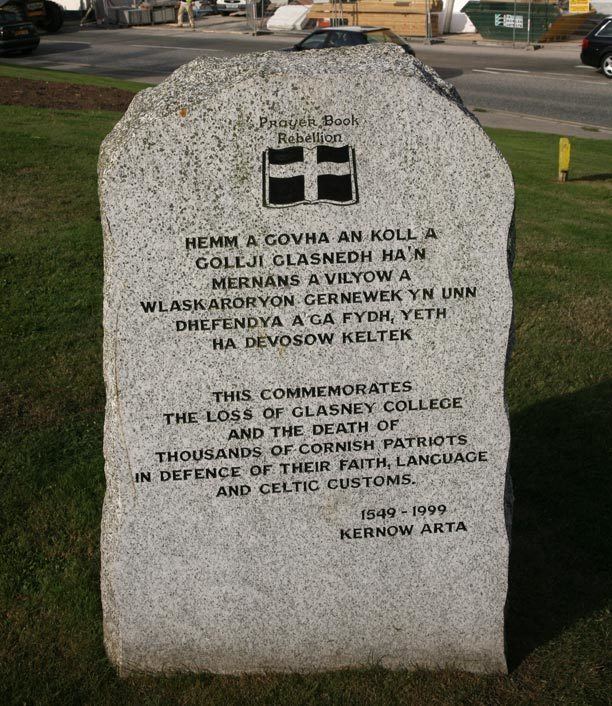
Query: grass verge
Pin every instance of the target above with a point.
(52, 483)
(35, 74)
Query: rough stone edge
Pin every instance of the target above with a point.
(143, 103)
(111, 509)
(172, 92)
(509, 491)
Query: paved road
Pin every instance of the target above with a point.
(549, 83)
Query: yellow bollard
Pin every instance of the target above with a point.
(564, 158)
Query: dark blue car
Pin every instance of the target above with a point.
(329, 37)
(597, 47)
(16, 35)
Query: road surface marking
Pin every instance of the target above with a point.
(148, 46)
(541, 74)
(163, 46)
(553, 73)
(59, 40)
(48, 63)
(514, 71)
(528, 116)
(561, 77)
(534, 73)
(67, 65)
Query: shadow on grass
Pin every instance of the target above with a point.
(593, 177)
(559, 566)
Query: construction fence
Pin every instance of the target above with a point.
(525, 21)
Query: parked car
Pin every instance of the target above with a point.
(224, 7)
(43, 14)
(328, 37)
(597, 47)
(16, 35)
(46, 15)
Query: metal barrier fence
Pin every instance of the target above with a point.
(528, 21)
(258, 13)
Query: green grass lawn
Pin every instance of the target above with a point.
(52, 406)
(36, 74)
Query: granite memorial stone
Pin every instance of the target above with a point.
(307, 313)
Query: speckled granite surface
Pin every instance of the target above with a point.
(307, 312)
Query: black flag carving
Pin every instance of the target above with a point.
(309, 175)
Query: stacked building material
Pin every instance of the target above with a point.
(408, 18)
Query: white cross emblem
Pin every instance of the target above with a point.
(309, 175)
